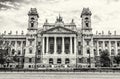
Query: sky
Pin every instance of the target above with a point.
(105, 13)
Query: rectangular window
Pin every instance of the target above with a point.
(79, 52)
(112, 43)
(118, 51)
(32, 24)
(59, 45)
(24, 43)
(87, 24)
(88, 60)
(118, 44)
(19, 43)
(87, 42)
(19, 52)
(59, 61)
(39, 43)
(24, 51)
(30, 51)
(29, 66)
(79, 43)
(100, 43)
(106, 44)
(80, 60)
(30, 60)
(13, 43)
(39, 52)
(73, 44)
(88, 51)
(51, 45)
(30, 42)
(112, 52)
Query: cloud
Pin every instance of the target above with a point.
(105, 13)
(110, 1)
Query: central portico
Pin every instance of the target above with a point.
(59, 46)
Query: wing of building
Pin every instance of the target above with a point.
(58, 45)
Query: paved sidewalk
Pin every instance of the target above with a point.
(59, 75)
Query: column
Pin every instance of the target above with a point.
(75, 45)
(47, 50)
(22, 47)
(70, 45)
(15, 46)
(103, 45)
(63, 45)
(109, 47)
(43, 41)
(97, 49)
(116, 51)
(55, 46)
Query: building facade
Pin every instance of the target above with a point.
(59, 45)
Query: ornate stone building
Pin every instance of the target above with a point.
(59, 45)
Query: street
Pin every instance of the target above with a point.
(59, 75)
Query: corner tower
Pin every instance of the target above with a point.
(87, 38)
(86, 20)
(33, 20)
(31, 39)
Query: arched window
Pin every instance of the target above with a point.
(87, 24)
(112, 52)
(59, 60)
(67, 61)
(19, 52)
(88, 51)
(50, 61)
(86, 18)
(100, 51)
(13, 51)
(32, 24)
(30, 50)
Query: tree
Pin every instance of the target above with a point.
(3, 56)
(105, 59)
(16, 59)
(117, 59)
(4, 52)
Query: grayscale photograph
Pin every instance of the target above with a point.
(59, 39)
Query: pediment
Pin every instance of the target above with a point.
(59, 30)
